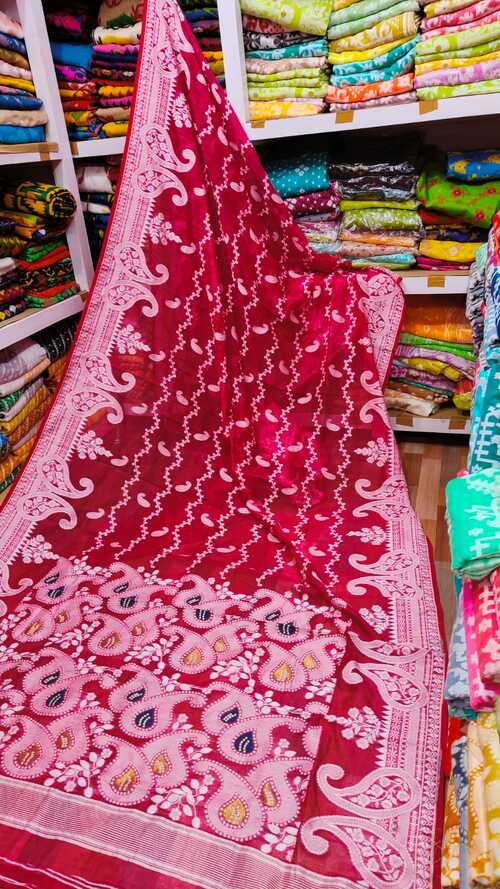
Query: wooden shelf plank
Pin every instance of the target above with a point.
(33, 320)
(28, 153)
(447, 420)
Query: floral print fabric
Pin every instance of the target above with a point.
(474, 203)
(311, 18)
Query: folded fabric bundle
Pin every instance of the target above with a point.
(474, 166)
(67, 25)
(474, 203)
(465, 76)
(22, 117)
(300, 175)
(308, 49)
(42, 198)
(73, 54)
(361, 22)
(375, 219)
(402, 400)
(119, 13)
(473, 513)
(310, 18)
(130, 34)
(452, 251)
(403, 25)
(273, 110)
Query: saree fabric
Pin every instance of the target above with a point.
(221, 420)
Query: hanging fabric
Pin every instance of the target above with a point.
(222, 663)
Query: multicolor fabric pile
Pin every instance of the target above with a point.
(434, 360)
(115, 54)
(380, 223)
(95, 60)
(372, 49)
(22, 116)
(471, 848)
(459, 194)
(459, 51)
(204, 21)
(286, 57)
(33, 219)
(305, 183)
(29, 373)
(97, 186)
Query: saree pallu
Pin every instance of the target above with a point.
(210, 439)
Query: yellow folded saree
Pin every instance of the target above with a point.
(452, 251)
(403, 25)
(363, 55)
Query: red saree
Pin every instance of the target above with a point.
(221, 663)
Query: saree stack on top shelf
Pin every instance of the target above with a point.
(459, 50)
(372, 51)
(210, 565)
(473, 682)
(204, 21)
(285, 57)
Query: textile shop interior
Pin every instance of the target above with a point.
(378, 124)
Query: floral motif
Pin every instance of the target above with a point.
(37, 550)
(162, 231)
(180, 113)
(375, 535)
(375, 452)
(90, 446)
(376, 617)
(361, 725)
(129, 341)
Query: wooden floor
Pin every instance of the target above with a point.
(429, 463)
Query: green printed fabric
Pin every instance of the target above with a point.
(473, 514)
(412, 339)
(383, 61)
(368, 21)
(475, 203)
(480, 87)
(481, 49)
(376, 219)
(299, 15)
(286, 91)
(356, 11)
(295, 73)
(410, 204)
(459, 39)
(399, 67)
(308, 50)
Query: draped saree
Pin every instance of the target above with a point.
(221, 662)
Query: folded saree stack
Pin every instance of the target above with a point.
(22, 116)
(372, 51)
(286, 56)
(203, 17)
(380, 224)
(69, 29)
(459, 51)
(97, 187)
(37, 215)
(459, 194)
(115, 54)
(471, 847)
(29, 373)
(434, 360)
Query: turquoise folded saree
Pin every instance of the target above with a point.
(473, 515)
(383, 61)
(312, 48)
(401, 66)
(292, 176)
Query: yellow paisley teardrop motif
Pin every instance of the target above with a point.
(234, 812)
(110, 641)
(65, 740)
(34, 628)
(310, 662)
(161, 765)
(192, 658)
(220, 645)
(283, 673)
(267, 796)
(27, 757)
(125, 781)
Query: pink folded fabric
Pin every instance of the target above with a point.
(461, 16)
(13, 71)
(111, 101)
(10, 26)
(316, 202)
(469, 74)
(442, 32)
(424, 262)
(486, 598)
(482, 694)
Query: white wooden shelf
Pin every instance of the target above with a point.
(29, 153)
(380, 117)
(98, 147)
(447, 420)
(429, 283)
(33, 320)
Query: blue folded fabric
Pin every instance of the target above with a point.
(11, 135)
(198, 15)
(292, 176)
(79, 54)
(13, 43)
(24, 103)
